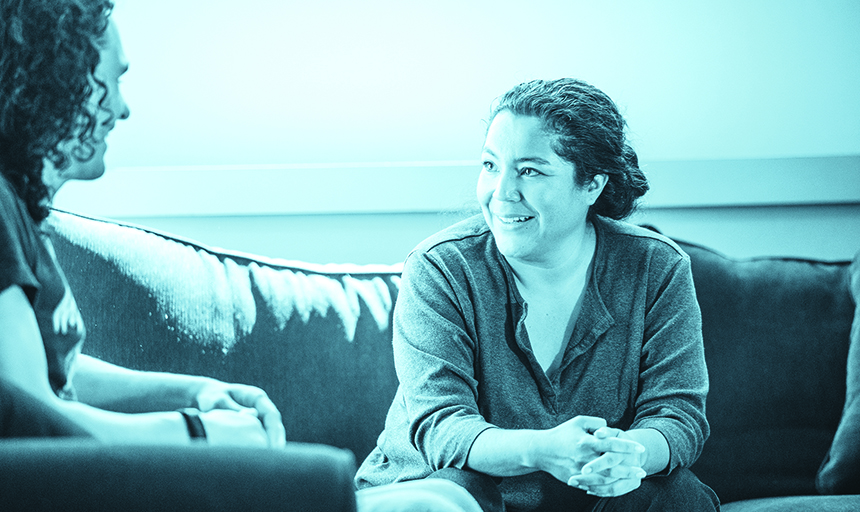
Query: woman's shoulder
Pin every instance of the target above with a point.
(462, 236)
(15, 219)
(626, 237)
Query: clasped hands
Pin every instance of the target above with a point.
(237, 414)
(585, 453)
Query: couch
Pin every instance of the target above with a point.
(317, 338)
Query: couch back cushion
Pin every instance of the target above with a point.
(776, 334)
(316, 338)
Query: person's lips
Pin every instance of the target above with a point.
(513, 220)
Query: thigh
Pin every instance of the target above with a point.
(483, 488)
(428, 495)
(681, 491)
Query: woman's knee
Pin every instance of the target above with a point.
(684, 486)
(428, 495)
(482, 487)
(680, 491)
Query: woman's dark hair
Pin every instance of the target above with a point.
(49, 50)
(590, 135)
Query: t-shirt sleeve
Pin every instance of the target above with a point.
(673, 374)
(14, 268)
(434, 356)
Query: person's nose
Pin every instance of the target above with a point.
(508, 186)
(122, 108)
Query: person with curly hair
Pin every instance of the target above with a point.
(60, 65)
(550, 355)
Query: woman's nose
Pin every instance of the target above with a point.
(123, 111)
(507, 188)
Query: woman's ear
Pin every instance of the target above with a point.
(595, 188)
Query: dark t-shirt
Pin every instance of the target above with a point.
(27, 260)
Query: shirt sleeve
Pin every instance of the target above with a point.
(434, 356)
(673, 374)
(14, 269)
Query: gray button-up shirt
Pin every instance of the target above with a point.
(465, 364)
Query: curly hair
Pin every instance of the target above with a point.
(590, 135)
(49, 50)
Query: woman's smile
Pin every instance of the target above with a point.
(513, 220)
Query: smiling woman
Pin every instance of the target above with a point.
(550, 164)
(593, 321)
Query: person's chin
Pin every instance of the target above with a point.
(95, 168)
(512, 246)
(92, 170)
(98, 172)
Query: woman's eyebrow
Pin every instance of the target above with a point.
(534, 159)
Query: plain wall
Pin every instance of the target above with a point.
(290, 128)
(216, 82)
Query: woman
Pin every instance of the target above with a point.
(60, 64)
(545, 344)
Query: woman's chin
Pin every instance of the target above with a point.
(514, 249)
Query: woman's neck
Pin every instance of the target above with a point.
(52, 178)
(567, 271)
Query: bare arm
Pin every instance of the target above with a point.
(562, 451)
(656, 455)
(23, 363)
(582, 452)
(108, 386)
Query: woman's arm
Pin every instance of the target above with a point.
(434, 351)
(655, 457)
(108, 386)
(582, 452)
(114, 388)
(23, 363)
(563, 451)
(673, 375)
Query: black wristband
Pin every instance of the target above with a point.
(194, 423)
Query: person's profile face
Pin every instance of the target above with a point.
(527, 192)
(107, 105)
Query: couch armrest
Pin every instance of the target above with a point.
(74, 474)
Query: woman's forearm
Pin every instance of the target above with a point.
(502, 453)
(113, 427)
(656, 448)
(563, 450)
(119, 389)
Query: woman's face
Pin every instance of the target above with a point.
(534, 208)
(112, 64)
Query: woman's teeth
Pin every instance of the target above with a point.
(513, 220)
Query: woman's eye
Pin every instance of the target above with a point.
(528, 171)
(489, 166)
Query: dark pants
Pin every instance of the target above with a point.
(23, 415)
(679, 492)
